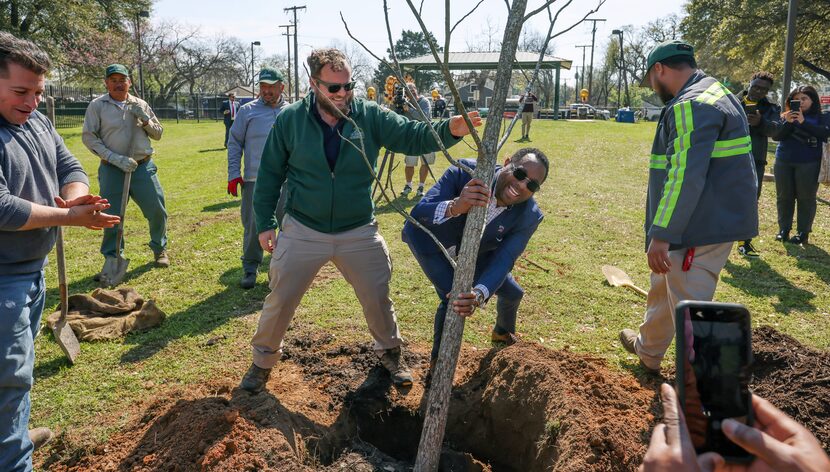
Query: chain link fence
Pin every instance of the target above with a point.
(71, 103)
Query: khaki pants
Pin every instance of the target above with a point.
(527, 118)
(698, 283)
(361, 256)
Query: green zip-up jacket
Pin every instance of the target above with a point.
(294, 161)
(702, 187)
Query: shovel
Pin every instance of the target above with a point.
(617, 278)
(115, 268)
(63, 332)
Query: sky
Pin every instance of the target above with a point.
(320, 24)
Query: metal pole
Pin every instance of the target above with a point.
(788, 52)
(625, 78)
(253, 74)
(556, 94)
(287, 35)
(591, 70)
(582, 79)
(296, 52)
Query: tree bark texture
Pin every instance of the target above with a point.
(432, 435)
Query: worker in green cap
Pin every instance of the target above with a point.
(118, 127)
(247, 138)
(701, 193)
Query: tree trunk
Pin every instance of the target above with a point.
(432, 435)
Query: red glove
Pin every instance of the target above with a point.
(233, 186)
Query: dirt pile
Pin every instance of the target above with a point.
(330, 407)
(795, 378)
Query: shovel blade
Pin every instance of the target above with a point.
(66, 339)
(615, 276)
(114, 271)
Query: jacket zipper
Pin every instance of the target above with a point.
(331, 209)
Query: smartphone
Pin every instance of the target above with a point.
(714, 360)
(795, 105)
(750, 109)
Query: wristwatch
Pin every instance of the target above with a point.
(480, 300)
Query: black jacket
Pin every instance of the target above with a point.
(769, 127)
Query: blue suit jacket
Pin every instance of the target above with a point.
(226, 105)
(504, 238)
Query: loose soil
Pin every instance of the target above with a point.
(330, 407)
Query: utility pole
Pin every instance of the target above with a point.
(287, 35)
(138, 16)
(593, 41)
(582, 79)
(622, 69)
(788, 51)
(253, 73)
(296, 53)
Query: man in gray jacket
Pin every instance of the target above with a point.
(248, 133)
(701, 193)
(42, 186)
(117, 128)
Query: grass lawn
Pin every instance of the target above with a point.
(593, 202)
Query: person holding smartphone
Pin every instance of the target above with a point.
(797, 162)
(764, 121)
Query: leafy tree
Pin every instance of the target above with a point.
(736, 38)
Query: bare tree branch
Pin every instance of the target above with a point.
(447, 31)
(599, 4)
(467, 15)
(507, 3)
(398, 73)
(539, 10)
(447, 76)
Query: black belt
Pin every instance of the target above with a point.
(142, 161)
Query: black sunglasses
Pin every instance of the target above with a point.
(334, 88)
(520, 174)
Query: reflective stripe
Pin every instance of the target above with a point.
(658, 161)
(712, 94)
(732, 147)
(684, 123)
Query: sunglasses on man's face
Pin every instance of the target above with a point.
(520, 174)
(334, 88)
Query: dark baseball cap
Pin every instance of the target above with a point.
(663, 51)
(117, 69)
(269, 75)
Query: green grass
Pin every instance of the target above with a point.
(593, 202)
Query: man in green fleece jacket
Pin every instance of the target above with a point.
(312, 155)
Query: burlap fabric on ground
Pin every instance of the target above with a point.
(109, 314)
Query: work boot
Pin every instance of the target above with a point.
(800, 238)
(420, 192)
(506, 338)
(783, 236)
(628, 337)
(392, 362)
(255, 379)
(161, 259)
(40, 436)
(406, 190)
(248, 280)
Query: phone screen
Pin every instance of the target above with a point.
(795, 105)
(713, 379)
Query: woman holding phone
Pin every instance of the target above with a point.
(797, 162)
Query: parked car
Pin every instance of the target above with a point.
(585, 111)
(651, 112)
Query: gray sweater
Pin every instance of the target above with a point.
(34, 165)
(250, 129)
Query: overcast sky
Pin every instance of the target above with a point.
(320, 24)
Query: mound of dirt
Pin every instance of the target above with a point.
(330, 407)
(795, 378)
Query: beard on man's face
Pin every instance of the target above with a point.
(661, 92)
(329, 107)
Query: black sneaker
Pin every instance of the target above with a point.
(255, 379)
(392, 362)
(800, 238)
(406, 190)
(420, 192)
(248, 280)
(747, 249)
(783, 236)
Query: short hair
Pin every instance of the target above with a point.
(23, 53)
(763, 75)
(808, 90)
(519, 155)
(412, 87)
(320, 58)
(679, 62)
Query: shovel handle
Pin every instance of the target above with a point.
(62, 275)
(637, 289)
(125, 197)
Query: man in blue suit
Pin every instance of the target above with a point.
(512, 218)
(229, 109)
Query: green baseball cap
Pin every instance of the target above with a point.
(117, 69)
(269, 75)
(663, 51)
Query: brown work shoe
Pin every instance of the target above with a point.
(648, 369)
(255, 379)
(40, 436)
(506, 338)
(628, 337)
(161, 259)
(391, 360)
